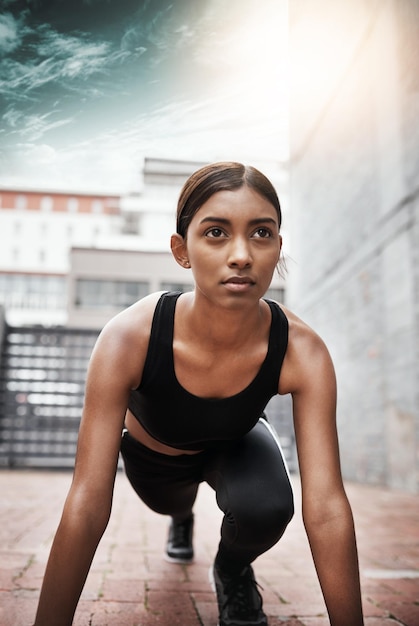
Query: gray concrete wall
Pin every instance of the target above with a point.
(355, 220)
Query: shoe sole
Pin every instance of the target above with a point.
(211, 578)
(212, 583)
(173, 559)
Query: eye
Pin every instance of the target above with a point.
(214, 233)
(263, 233)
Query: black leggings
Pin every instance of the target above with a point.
(250, 480)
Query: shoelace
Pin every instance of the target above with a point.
(239, 592)
(181, 533)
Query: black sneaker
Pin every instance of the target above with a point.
(239, 601)
(179, 548)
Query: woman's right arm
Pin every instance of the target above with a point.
(115, 368)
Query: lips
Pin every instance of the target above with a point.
(240, 280)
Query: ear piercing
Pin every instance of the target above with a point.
(186, 264)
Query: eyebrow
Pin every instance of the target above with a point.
(224, 220)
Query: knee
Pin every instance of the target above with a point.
(268, 518)
(277, 513)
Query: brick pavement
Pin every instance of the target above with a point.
(131, 585)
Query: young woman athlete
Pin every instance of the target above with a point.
(185, 378)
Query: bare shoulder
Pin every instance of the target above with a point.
(301, 333)
(133, 323)
(123, 341)
(307, 359)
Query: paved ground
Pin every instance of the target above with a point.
(131, 585)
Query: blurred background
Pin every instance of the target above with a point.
(107, 107)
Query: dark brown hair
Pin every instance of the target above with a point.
(223, 176)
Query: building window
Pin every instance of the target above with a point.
(277, 294)
(72, 205)
(21, 202)
(131, 223)
(168, 286)
(47, 204)
(31, 291)
(101, 294)
(97, 206)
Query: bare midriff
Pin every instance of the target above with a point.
(140, 434)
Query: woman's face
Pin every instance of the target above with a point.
(233, 246)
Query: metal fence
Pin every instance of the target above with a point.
(42, 381)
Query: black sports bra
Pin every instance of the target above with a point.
(177, 418)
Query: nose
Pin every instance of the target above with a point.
(239, 253)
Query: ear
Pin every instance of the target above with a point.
(179, 250)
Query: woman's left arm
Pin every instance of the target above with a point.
(327, 513)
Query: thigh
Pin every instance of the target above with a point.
(166, 484)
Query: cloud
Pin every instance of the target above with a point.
(196, 80)
(37, 55)
(36, 126)
(113, 158)
(31, 127)
(81, 166)
(12, 117)
(133, 40)
(41, 154)
(166, 32)
(9, 33)
(55, 57)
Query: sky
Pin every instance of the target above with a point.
(88, 88)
